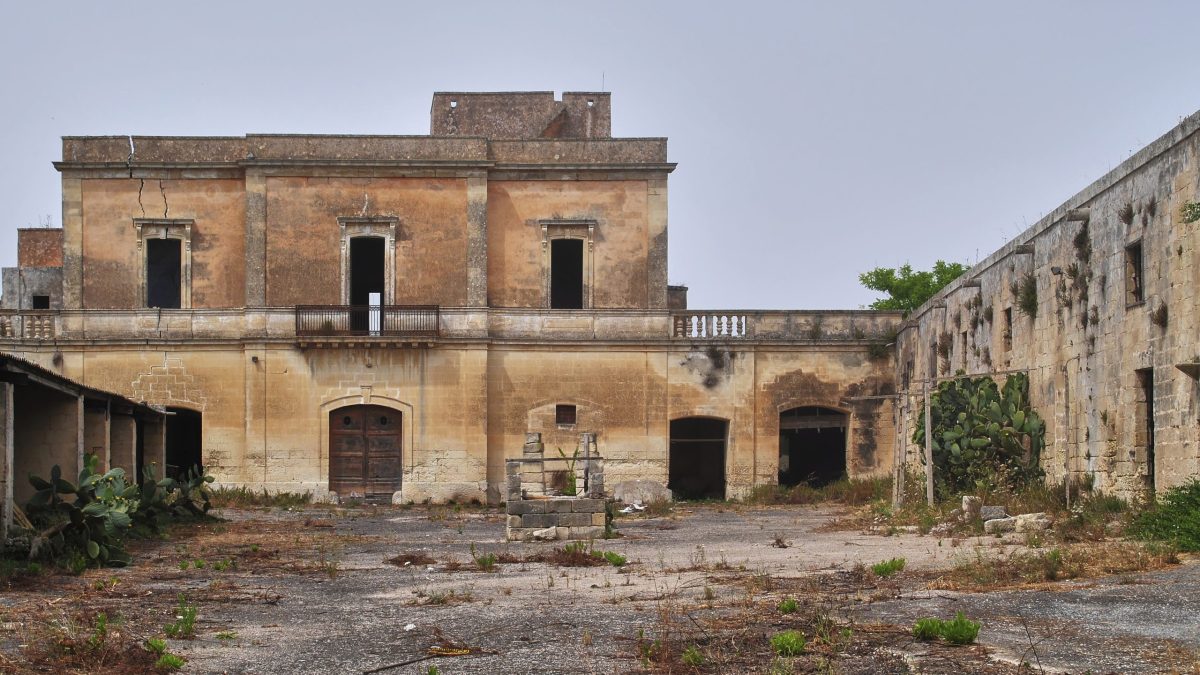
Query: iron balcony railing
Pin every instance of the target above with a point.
(367, 320)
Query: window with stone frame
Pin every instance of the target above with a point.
(165, 262)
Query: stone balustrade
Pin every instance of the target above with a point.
(25, 325)
(280, 324)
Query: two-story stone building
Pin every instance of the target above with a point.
(390, 315)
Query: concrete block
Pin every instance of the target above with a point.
(999, 525)
(521, 507)
(573, 519)
(598, 519)
(589, 532)
(539, 520)
(589, 506)
(560, 505)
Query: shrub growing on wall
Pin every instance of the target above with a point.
(983, 433)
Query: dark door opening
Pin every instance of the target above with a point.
(139, 452)
(367, 262)
(1145, 422)
(566, 274)
(365, 452)
(697, 458)
(163, 273)
(184, 442)
(812, 446)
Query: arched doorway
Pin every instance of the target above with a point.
(365, 452)
(185, 440)
(697, 458)
(812, 446)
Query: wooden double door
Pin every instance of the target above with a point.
(365, 452)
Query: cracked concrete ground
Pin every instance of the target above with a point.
(312, 592)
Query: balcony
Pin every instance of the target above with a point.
(356, 324)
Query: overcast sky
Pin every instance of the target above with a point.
(814, 141)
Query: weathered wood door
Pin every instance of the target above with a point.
(364, 451)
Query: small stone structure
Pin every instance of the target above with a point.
(539, 499)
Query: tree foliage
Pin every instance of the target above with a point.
(908, 289)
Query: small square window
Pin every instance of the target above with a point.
(1134, 288)
(41, 302)
(564, 415)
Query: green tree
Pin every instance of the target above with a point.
(906, 289)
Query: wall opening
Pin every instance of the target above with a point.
(46, 424)
(565, 414)
(367, 274)
(365, 452)
(1144, 424)
(139, 449)
(697, 458)
(41, 302)
(1133, 274)
(812, 446)
(566, 274)
(164, 278)
(184, 442)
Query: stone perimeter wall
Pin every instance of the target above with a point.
(1083, 349)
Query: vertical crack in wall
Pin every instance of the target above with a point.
(141, 185)
(162, 189)
(366, 202)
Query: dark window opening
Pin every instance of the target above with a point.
(812, 446)
(566, 274)
(163, 273)
(184, 442)
(1134, 292)
(1145, 421)
(41, 302)
(564, 414)
(697, 458)
(367, 262)
(963, 358)
(1008, 329)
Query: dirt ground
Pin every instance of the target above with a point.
(312, 591)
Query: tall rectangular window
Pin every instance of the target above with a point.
(164, 265)
(566, 274)
(1008, 329)
(1134, 290)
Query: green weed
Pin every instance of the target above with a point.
(788, 643)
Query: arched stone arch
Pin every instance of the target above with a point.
(814, 442)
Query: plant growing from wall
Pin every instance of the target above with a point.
(1190, 212)
(1026, 295)
(1125, 213)
(983, 433)
(1159, 316)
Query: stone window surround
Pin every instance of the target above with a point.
(383, 227)
(583, 229)
(166, 228)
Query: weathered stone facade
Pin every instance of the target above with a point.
(272, 342)
(1108, 333)
(266, 339)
